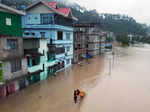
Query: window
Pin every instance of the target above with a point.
(33, 61)
(27, 33)
(42, 34)
(12, 44)
(60, 50)
(33, 34)
(87, 46)
(68, 48)
(68, 36)
(15, 65)
(43, 67)
(36, 18)
(50, 56)
(68, 61)
(46, 19)
(60, 35)
(8, 21)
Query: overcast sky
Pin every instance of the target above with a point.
(138, 9)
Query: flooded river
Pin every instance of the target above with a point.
(125, 89)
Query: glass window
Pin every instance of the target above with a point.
(42, 34)
(8, 21)
(60, 35)
(26, 33)
(60, 50)
(15, 65)
(12, 44)
(68, 36)
(68, 61)
(68, 48)
(33, 61)
(46, 19)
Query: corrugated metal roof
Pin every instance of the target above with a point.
(65, 11)
(52, 4)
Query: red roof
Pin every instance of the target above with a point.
(64, 10)
(52, 4)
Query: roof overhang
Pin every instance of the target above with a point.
(54, 10)
(15, 11)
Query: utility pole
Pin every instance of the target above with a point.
(110, 66)
(113, 54)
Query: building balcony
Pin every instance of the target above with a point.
(34, 68)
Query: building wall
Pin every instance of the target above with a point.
(102, 45)
(6, 52)
(10, 24)
(40, 8)
(43, 49)
(66, 43)
(8, 75)
(31, 24)
(34, 19)
(51, 33)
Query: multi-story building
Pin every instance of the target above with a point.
(13, 65)
(12, 60)
(47, 20)
(102, 42)
(80, 43)
(86, 40)
(41, 62)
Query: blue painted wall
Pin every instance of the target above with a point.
(32, 26)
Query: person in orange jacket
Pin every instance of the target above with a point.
(80, 93)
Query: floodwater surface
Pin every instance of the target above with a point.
(122, 87)
(56, 93)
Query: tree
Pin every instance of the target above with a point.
(123, 39)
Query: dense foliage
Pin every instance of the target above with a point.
(123, 39)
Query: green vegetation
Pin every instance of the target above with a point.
(145, 39)
(123, 39)
(1, 72)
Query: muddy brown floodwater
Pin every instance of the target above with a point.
(126, 89)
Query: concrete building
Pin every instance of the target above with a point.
(41, 63)
(13, 65)
(102, 42)
(80, 43)
(86, 40)
(47, 20)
